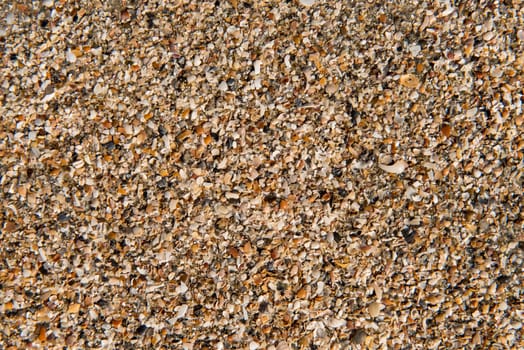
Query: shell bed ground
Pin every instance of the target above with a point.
(261, 174)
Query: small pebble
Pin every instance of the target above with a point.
(374, 309)
(358, 337)
(162, 130)
(337, 172)
(408, 234)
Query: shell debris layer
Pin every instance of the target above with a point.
(261, 174)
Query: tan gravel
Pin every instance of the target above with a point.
(303, 174)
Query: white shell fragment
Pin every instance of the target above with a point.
(397, 168)
(307, 2)
(222, 86)
(182, 288)
(335, 322)
(180, 311)
(414, 50)
(71, 58)
(256, 67)
(100, 89)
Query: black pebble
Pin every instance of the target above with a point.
(408, 234)
(162, 131)
(63, 217)
(229, 142)
(367, 156)
(43, 270)
(271, 197)
(337, 172)
(197, 310)
(263, 307)
(342, 192)
(150, 20)
(349, 107)
(299, 103)
(101, 303)
(281, 286)
(162, 183)
(337, 237)
(141, 329)
(354, 116)
(352, 112)
(232, 84)
(110, 146)
(503, 279)
(358, 336)
(181, 61)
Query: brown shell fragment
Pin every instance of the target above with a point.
(409, 80)
(446, 130)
